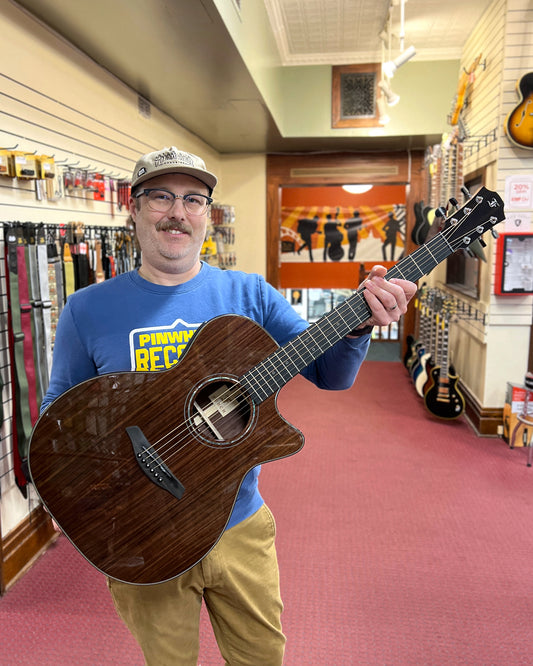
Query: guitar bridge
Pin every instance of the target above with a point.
(152, 465)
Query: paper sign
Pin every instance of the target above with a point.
(519, 191)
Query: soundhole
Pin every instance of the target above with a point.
(219, 412)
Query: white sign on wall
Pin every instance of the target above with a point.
(519, 192)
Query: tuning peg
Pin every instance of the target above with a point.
(454, 201)
(482, 242)
(440, 212)
(465, 191)
(476, 247)
(494, 233)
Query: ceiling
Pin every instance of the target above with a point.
(347, 31)
(143, 43)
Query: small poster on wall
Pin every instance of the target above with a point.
(519, 192)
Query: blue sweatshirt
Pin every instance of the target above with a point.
(128, 323)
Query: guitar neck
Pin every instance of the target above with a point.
(443, 347)
(267, 377)
(264, 379)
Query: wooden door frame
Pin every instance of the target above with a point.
(401, 168)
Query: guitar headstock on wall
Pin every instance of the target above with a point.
(466, 80)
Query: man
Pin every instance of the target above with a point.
(121, 324)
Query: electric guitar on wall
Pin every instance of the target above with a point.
(443, 397)
(421, 376)
(519, 123)
(141, 470)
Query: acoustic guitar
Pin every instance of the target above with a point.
(519, 123)
(141, 470)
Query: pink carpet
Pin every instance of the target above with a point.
(402, 540)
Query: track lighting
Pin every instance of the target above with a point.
(382, 111)
(392, 65)
(391, 97)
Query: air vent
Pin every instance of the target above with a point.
(358, 95)
(144, 106)
(348, 172)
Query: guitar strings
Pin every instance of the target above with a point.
(176, 439)
(235, 393)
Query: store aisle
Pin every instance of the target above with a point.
(403, 540)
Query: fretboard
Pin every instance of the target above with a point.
(268, 376)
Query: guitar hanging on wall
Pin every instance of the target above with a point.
(519, 123)
(141, 470)
(466, 80)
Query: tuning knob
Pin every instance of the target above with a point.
(494, 233)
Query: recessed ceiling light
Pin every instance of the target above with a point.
(357, 189)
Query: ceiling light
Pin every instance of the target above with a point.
(391, 97)
(392, 65)
(357, 189)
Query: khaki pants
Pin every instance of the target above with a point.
(239, 581)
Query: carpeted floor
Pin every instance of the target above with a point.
(403, 540)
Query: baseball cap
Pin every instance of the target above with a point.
(171, 160)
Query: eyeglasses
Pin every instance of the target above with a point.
(163, 200)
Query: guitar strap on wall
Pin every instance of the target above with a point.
(46, 305)
(55, 287)
(21, 406)
(37, 310)
(26, 317)
(68, 271)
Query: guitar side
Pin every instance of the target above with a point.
(87, 475)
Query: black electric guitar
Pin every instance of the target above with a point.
(141, 470)
(443, 397)
(421, 226)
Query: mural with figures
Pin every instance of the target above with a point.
(327, 233)
(321, 233)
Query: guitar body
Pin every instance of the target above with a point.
(429, 379)
(421, 376)
(443, 398)
(410, 349)
(421, 227)
(413, 358)
(519, 123)
(415, 367)
(86, 472)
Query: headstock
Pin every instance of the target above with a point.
(479, 214)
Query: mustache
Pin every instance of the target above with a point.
(172, 226)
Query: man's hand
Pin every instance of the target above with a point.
(387, 299)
